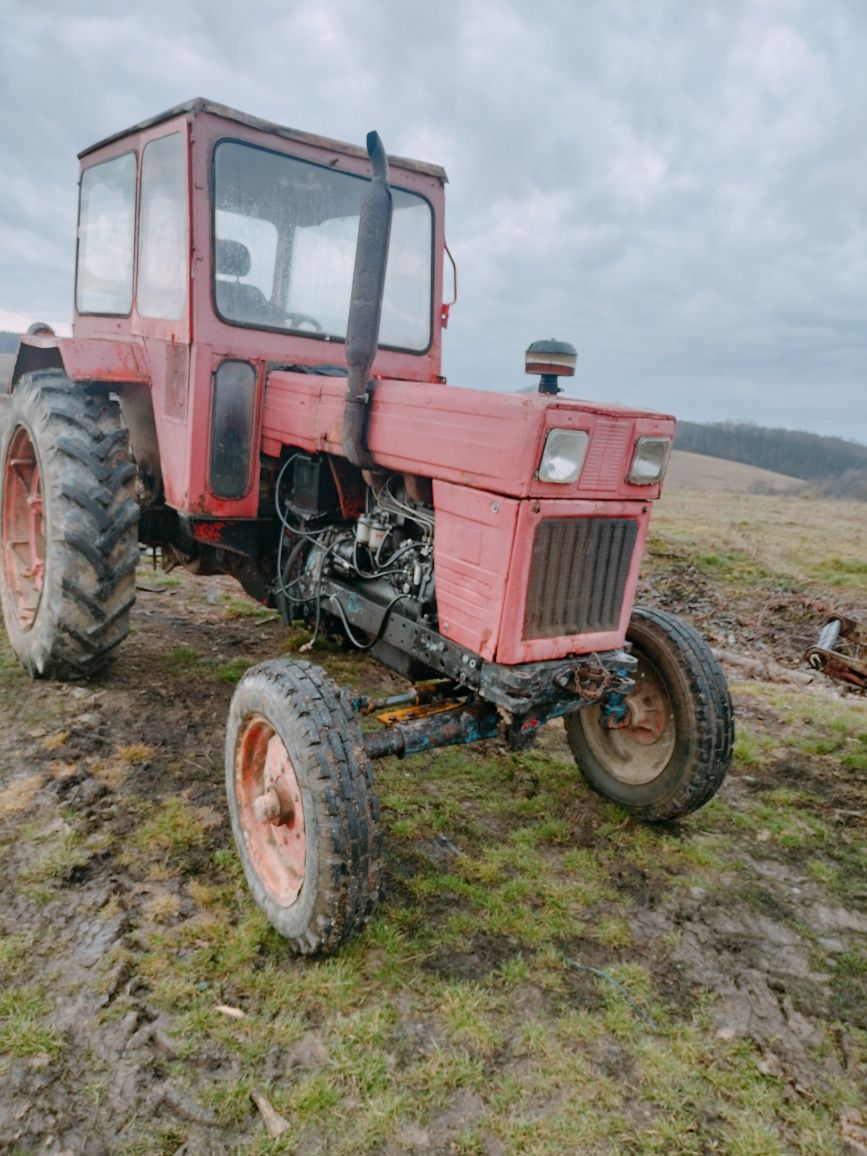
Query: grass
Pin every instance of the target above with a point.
(24, 1028)
(167, 836)
(238, 607)
(748, 540)
(543, 974)
(185, 662)
(17, 795)
(841, 572)
(61, 856)
(152, 577)
(466, 1015)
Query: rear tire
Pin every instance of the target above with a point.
(674, 755)
(68, 520)
(302, 804)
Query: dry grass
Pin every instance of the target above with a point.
(797, 539)
(56, 741)
(135, 754)
(18, 795)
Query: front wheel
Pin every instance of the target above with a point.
(302, 804)
(674, 754)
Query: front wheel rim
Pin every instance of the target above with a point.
(23, 528)
(270, 811)
(639, 753)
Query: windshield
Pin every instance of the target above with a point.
(284, 239)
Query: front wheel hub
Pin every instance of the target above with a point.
(271, 810)
(23, 528)
(274, 806)
(638, 748)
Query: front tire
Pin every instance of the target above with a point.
(302, 804)
(68, 520)
(674, 755)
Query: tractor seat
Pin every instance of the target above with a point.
(237, 301)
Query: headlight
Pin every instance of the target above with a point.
(563, 455)
(649, 461)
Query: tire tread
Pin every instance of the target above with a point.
(330, 754)
(713, 732)
(88, 481)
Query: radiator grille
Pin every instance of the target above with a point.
(578, 575)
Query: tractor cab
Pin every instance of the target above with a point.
(213, 245)
(206, 221)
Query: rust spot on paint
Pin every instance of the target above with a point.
(209, 531)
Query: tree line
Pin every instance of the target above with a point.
(813, 457)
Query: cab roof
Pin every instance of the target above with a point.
(199, 105)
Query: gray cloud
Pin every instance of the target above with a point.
(676, 188)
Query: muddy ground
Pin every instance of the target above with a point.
(118, 866)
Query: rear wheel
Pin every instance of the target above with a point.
(674, 754)
(302, 803)
(68, 520)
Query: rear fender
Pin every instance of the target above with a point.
(121, 366)
(111, 362)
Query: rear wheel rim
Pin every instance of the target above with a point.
(23, 528)
(270, 811)
(637, 754)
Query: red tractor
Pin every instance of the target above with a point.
(254, 386)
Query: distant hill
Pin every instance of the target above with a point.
(792, 452)
(9, 341)
(702, 474)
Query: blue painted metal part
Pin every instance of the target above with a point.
(464, 724)
(615, 714)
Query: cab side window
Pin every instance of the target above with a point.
(164, 233)
(106, 237)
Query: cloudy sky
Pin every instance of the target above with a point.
(678, 187)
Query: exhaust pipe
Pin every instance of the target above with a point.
(365, 308)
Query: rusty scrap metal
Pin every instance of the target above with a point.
(849, 668)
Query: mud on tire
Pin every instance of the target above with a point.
(68, 520)
(674, 756)
(302, 804)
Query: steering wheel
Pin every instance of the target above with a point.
(296, 320)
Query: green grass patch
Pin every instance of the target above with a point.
(733, 567)
(233, 670)
(64, 855)
(754, 749)
(24, 1031)
(186, 662)
(183, 661)
(237, 607)
(168, 834)
(840, 572)
(156, 579)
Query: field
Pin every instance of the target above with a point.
(543, 975)
(698, 472)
